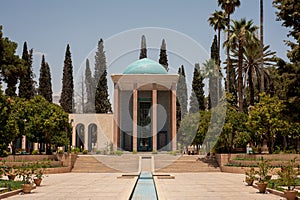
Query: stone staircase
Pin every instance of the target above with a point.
(185, 163)
(129, 163)
(106, 164)
(89, 164)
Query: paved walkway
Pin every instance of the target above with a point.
(193, 186)
(208, 186)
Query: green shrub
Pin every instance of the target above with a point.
(119, 153)
(60, 151)
(35, 152)
(84, 151)
(134, 152)
(98, 152)
(154, 152)
(75, 150)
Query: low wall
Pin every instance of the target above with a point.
(14, 158)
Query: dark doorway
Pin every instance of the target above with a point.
(144, 135)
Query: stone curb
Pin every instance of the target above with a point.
(275, 192)
(9, 194)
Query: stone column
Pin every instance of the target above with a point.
(116, 116)
(154, 116)
(23, 142)
(134, 122)
(173, 114)
(74, 135)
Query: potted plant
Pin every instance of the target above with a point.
(26, 175)
(287, 177)
(264, 176)
(38, 177)
(250, 176)
(10, 172)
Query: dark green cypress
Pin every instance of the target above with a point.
(197, 101)
(181, 103)
(163, 58)
(45, 85)
(10, 64)
(26, 86)
(90, 107)
(102, 104)
(143, 53)
(67, 93)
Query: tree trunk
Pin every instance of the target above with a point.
(262, 78)
(228, 83)
(251, 86)
(240, 77)
(219, 41)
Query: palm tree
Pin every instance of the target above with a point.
(229, 7)
(218, 21)
(241, 33)
(252, 66)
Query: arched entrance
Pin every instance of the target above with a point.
(80, 136)
(92, 136)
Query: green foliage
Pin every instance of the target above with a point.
(197, 102)
(85, 151)
(289, 13)
(45, 85)
(10, 64)
(89, 107)
(102, 103)
(26, 86)
(66, 98)
(241, 33)
(266, 120)
(181, 93)
(163, 58)
(143, 53)
(264, 170)
(35, 152)
(288, 175)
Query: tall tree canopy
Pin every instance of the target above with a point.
(45, 85)
(229, 7)
(66, 98)
(289, 13)
(90, 107)
(163, 58)
(197, 95)
(26, 86)
(102, 103)
(143, 53)
(10, 64)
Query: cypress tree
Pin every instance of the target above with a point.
(163, 58)
(102, 104)
(181, 102)
(143, 53)
(89, 88)
(45, 85)
(67, 93)
(100, 62)
(26, 86)
(197, 96)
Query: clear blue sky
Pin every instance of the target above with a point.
(48, 26)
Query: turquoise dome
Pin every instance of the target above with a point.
(145, 66)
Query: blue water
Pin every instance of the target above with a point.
(145, 188)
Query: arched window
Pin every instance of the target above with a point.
(92, 136)
(80, 136)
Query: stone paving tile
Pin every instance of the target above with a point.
(208, 186)
(83, 186)
(185, 186)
